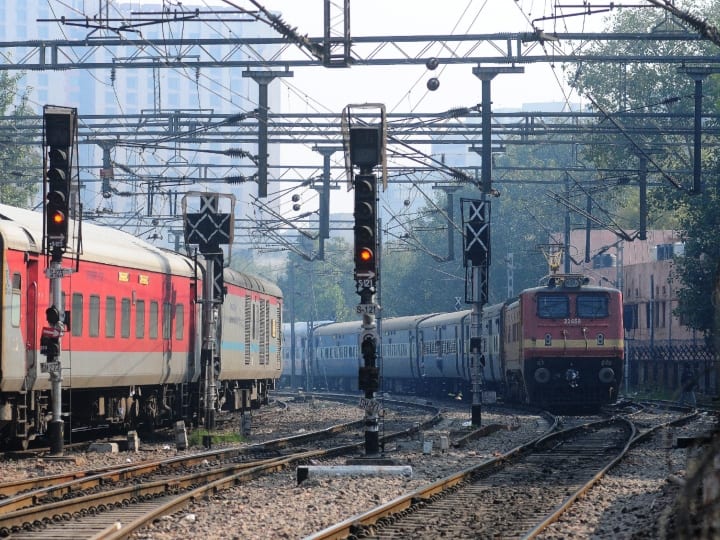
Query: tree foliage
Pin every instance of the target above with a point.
(643, 107)
(644, 101)
(19, 163)
(320, 290)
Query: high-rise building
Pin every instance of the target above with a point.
(145, 181)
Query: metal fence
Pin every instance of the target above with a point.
(659, 366)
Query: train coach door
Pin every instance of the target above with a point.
(421, 354)
(31, 321)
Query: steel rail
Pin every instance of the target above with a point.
(402, 503)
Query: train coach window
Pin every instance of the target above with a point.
(140, 319)
(592, 306)
(167, 320)
(125, 318)
(179, 321)
(15, 300)
(94, 322)
(553, 306)
(110, 306)
(76, 316)
(153, 330)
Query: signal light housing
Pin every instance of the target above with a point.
(365, 224)
(60, 125)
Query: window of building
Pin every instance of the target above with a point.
(630, 317)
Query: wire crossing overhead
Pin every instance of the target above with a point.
(500, 48)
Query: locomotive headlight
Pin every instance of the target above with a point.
(606, 375)
(542, 375)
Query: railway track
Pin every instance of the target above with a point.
(515, 495)
(91, 504)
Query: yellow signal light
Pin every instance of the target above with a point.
(57, 217)
(365, 255)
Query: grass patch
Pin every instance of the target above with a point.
(197, 437)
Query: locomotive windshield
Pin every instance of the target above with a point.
(553, 306)
(587, 306)
(592, 306)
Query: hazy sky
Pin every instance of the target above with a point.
(403, 89)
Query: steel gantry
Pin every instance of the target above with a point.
(500, 48)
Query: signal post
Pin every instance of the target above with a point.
(60, 127)
(209, 227)
(365, 150)
(365, 280)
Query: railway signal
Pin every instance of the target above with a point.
(59, 138)
(60, 134)
(365, 149)
(369, 376)
(365, 226)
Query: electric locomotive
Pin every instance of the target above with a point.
(564, 344)
(558, 345)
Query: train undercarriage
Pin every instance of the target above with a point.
(24, 416)
(573, 382)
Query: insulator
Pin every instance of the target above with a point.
(235, 179)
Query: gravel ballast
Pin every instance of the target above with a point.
(631, 501)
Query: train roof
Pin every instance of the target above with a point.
(339, 327)
(438, 319)
(585, 288)
(303, 325)
(407, 321)
(22, 230)
(569, 283)
(253, 283)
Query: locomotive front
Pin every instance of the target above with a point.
(572, 343)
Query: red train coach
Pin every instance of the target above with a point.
(131, 350)
(564, 344)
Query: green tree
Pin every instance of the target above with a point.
(698, 270)
(320, 289)
(623, 91)
(19, 162)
